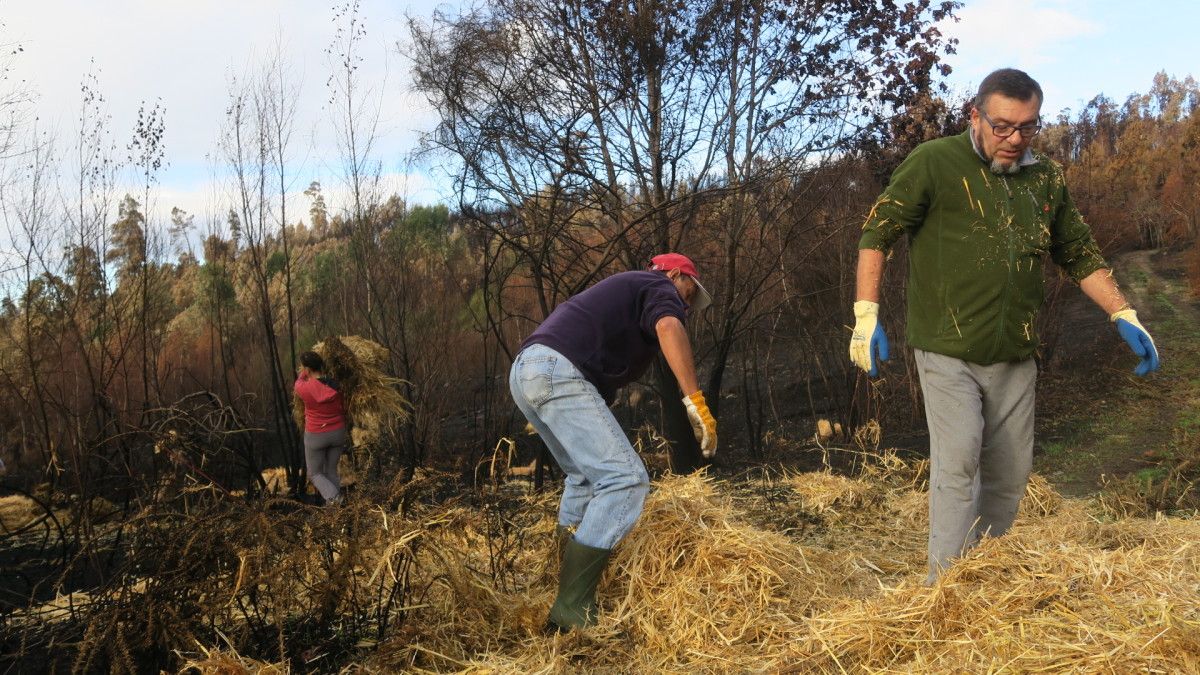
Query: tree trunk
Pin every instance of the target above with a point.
(685, 450)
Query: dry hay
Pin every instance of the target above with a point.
(1171, 487)
(876, 520)
(475, 604)
(17, 511)
(697, 587)
(1062, 591)
(827, 431)
(1041, 499)
(373, 401)
(1054, 595)
(231, 663)
(826, 493)
(692, 586)
(62, 607)
(275, 480)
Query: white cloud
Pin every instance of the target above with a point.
(1026, 30)
(1016, 33)
(209, 201)
(184, 54)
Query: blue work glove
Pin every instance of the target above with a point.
(868, 344)
(1139, 340)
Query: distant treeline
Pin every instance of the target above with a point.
(757, 160)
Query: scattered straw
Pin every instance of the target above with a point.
(231, 663)
(705, 583)
(17, 511)
(829, 493)
(696, 589)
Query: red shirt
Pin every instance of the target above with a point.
(323, 410)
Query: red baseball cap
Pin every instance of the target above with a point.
(665, 262)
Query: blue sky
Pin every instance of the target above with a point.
(1077, 49)
(183, 53)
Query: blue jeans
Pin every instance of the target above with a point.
(606, 482)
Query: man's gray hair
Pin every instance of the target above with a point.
(1008, 82)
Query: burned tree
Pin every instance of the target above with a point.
(586, 136)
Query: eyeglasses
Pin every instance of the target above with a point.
(1006, 130)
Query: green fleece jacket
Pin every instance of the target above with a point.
(976, 245)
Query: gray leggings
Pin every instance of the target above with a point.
(321, 453)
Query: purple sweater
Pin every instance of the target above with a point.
(608, 331)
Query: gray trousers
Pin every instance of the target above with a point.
(980, 448)
(321, 454)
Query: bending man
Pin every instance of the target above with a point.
(563, 380)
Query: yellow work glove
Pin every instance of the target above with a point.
(703, 424)
(868, 344)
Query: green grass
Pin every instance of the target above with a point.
(1054, 449)
(1151, 474)
(1164, 305)
(1109, 422)
(1188, 420)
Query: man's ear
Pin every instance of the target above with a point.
(673, 274)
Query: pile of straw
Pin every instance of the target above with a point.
(830, 494)
(373, 401)
(694, 588)
(1064, 594)
(698, 586)
(17, 511)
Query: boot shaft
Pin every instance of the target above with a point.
(582, 567)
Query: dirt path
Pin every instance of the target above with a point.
(1096, 420)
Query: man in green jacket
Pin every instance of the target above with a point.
(981, 211)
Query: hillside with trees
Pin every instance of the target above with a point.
(146, 366)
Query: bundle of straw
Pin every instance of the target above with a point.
(373, 401)
(17, 511)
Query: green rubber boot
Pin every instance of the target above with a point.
(575, 606)
(562, 535)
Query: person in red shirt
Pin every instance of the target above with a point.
(325, 434)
